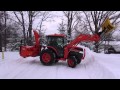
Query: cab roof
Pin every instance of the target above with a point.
(57, 35)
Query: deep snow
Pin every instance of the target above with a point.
(94, 66)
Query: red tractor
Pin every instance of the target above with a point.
(57, 49)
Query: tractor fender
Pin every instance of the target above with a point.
(75, 50)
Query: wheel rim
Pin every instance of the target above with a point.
(70, 62)
(46, 57)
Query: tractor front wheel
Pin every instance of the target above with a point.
(78, 56)
(47, 57)
(56, 61)
(72, 62)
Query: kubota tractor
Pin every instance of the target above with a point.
(57, 48)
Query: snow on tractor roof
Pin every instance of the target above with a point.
(57, 35)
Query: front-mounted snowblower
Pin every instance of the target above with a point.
(57, 47)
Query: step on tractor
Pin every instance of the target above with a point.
(57, 48)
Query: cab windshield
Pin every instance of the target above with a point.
(56, 41)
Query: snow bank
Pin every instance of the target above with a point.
(89, 56)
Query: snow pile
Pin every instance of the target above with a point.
(89, 55)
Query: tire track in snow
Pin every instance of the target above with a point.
(36, 71)
(24, 70)
(12, 70)
(90, 68)
(49, 72)
(65, 72)
(6, 65)
(95, 70)
(111, 63)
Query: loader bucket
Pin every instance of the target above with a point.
(107, 28)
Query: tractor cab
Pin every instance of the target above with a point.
(57, 41)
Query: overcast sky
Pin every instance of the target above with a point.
(51, 27)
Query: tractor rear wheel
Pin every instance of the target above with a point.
(72, 62)
(47, 57)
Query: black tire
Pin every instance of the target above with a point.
(77, 55)
(72, 62)
(47, 57)
(56, 61)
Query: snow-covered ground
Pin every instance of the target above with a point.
(94, 66)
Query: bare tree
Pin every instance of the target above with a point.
(5, 27)
(1, 29)
(43, 17)
(95, 20)
(62, 28)
(0, 35)
(70, 15)
(21, 17)
(31, 16)
(21, 21)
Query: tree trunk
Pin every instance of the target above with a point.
(24, 35)
(69, 28)
(30, 33)
(0, 42)
(23, 25)
(5, 38)
(30, 14)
